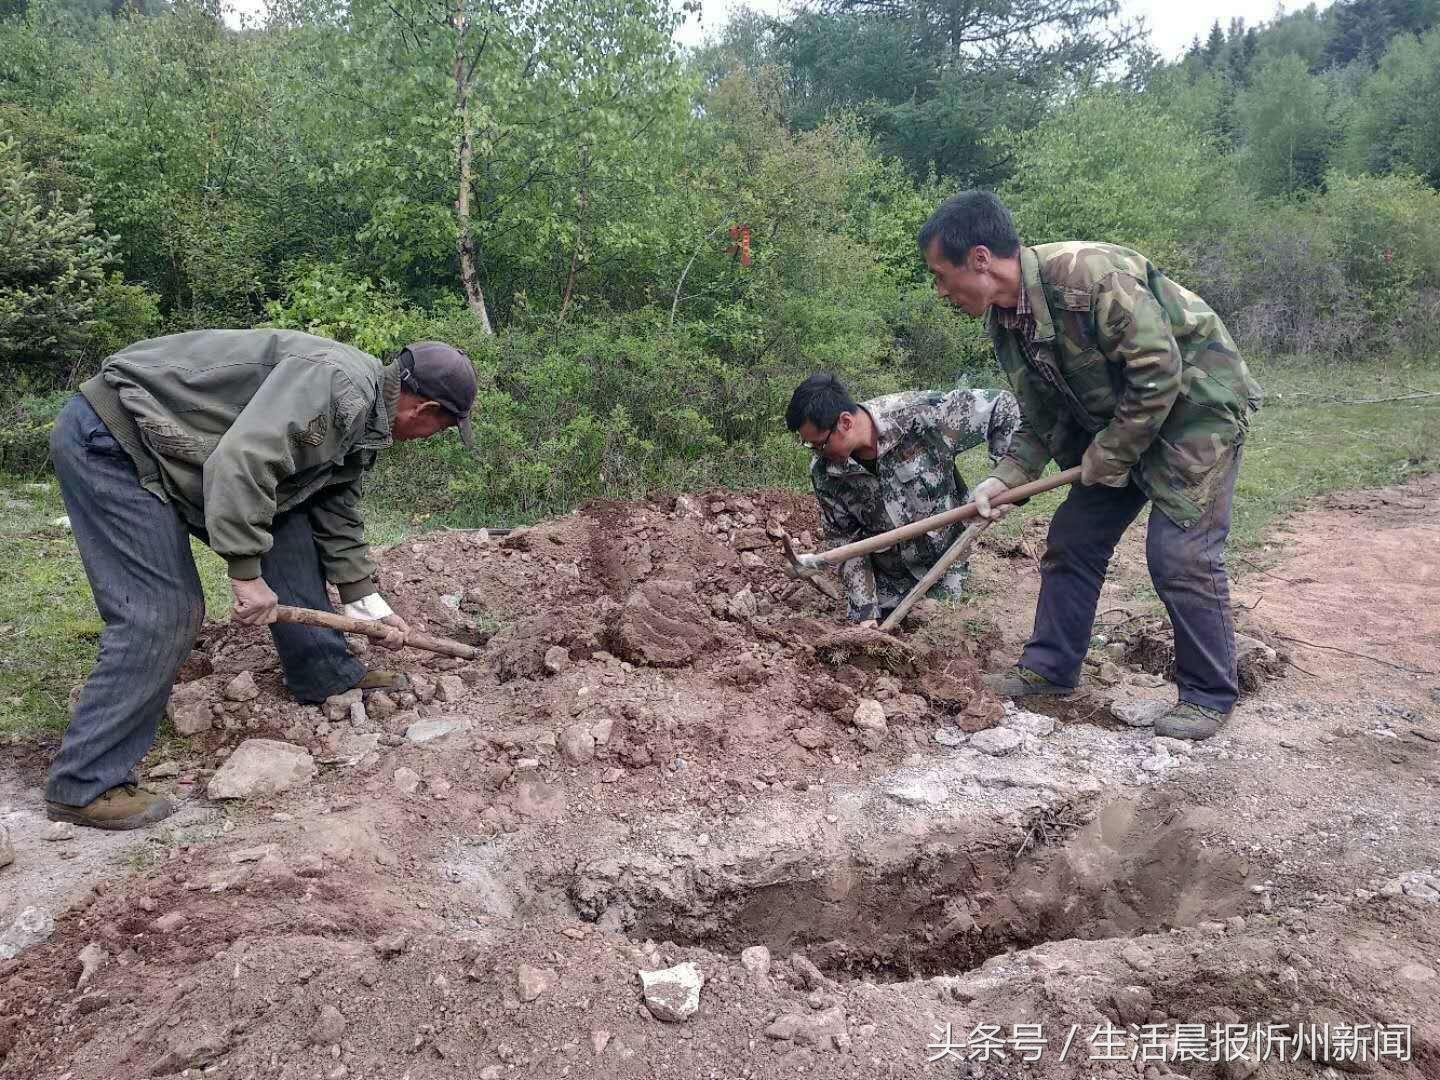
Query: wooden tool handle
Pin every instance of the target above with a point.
(956, 552)
(836, 556)
(370, 628)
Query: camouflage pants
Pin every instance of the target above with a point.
(892, 588)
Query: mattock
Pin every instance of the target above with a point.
(813, 567)
(372, 628)
(822, 582)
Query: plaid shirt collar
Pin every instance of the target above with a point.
(1021, 317)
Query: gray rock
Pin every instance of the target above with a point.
(31, 926)
(557, 659)
(602, 730)
(92, 959)
(449, 688)
(407, 781)
(7, 846)
(918, 792)
(743, 605)
(577, 744)
(756, 960)
(950, 737)
(337, 706)
(242, 688)
(673, 994)
(1027, 723)
(532, 981)
(1132, 1004)
(423, 731)
(359, 718)
(164, 771)
(189, 709)
(329, 1026)
(260, 767)
(381, 705)
(823, 1029)
(869, 718)
(997, 741)
(1157, 762)
(350, 748)
(1137, 957)
(1139, 713)
(810, 737)
(59, 830)
(1173, 746)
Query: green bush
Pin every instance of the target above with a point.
(330, 301)
(25, 425)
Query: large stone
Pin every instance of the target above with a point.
(423, 731)
(557, 659)
(673, 994)
(449, 688)
(756, 960)
(811, 737)
(7, 846)
(31, 926)
(92, 958)
(869, 720)
(190, 709)
(1027, 723)
(1132, 1004)
(191, 1046)
(743, 605)
(261, 767)
(997, 741)
(918, 792)
(1139, 713)
(337, 706)
(329, 1026)
(532, 981)
(242, 688)
(823, 1029)
(577, 744)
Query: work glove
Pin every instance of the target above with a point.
(986, 490)
(373, 608)
(255, 602)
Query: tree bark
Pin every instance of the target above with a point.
(469, 279)
(579, 231)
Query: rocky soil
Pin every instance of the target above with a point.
(677, 822)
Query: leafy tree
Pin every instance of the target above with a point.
(1397, 122)
(52, 266)
(1121, 169)
(1286, 125)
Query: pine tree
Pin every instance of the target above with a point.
(52, 265)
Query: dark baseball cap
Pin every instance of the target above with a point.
(443, 374)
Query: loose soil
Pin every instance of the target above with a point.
(670, 751)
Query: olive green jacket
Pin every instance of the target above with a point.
(233, 427)
(1129, 361)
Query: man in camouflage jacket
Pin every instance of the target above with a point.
(1122, 371)
(887, 463)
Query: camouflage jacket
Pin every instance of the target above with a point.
(919, 434)
(1129, 361)
(232, 427)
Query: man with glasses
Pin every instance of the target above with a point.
(889, 462)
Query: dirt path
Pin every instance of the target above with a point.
(666, 757)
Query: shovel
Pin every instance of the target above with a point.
(370, 628)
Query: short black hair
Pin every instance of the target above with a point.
(820, 399)
(967, 220)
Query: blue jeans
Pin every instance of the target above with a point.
(1186, 565)
(136, 551)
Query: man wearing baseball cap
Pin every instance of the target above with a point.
(256, 442)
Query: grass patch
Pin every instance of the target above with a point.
(1303, 443)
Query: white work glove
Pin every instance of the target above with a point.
(986, 490)
(373, 608)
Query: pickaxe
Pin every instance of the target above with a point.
(812, 566)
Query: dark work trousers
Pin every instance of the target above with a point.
(136, 551)
(1186, 565)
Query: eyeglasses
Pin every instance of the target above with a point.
(819, 448)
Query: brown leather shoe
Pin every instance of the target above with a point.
(125, 806)
(380, 679)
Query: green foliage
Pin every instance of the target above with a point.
(1387, 233)
(52, 267)
(1134, 173)
(124, 314)
(329, 301)
(1397, 121)
(1287, 128)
